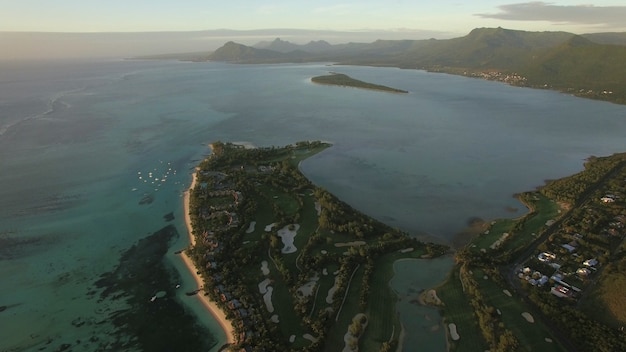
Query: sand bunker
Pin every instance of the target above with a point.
(499, 241)
(324, 271)
(331, 291)
(292, 338)
(264, 268)
(350, 244)
(318, 208)
(453, 333)
(529, 318)
(251, 227)
(274, 319)
(267, 298)
(406, 250)
(548, 340)
(506, 292)
(306, 290)
(263, 286)
(351, 340)
(269, 227)
(310, 337)
(287, 234)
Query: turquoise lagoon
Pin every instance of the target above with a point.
(95, 156)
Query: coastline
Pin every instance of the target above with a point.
(216, 312)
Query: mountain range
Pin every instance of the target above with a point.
(590, 65)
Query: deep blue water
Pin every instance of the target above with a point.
(81, 144)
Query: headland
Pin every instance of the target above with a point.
(291, 266)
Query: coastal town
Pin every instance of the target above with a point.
(550, 280)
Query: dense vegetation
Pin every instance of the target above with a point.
(303, 293)
(592, 66)
(338, 79)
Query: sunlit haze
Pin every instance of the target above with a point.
(333, 21)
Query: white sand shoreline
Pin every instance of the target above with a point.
(216, 312)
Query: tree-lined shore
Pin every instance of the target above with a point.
(292, 266)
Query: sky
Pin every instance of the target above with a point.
(352, 19)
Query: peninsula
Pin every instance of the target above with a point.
(339, 79)
(285, 264)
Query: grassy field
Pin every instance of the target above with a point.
(382, 322)
(520, 237)
(350, 308)
(485, 240)
(545, 210)
(298, 156)
(458, 310)
(276, 198)
(605, 302)
(285, 201)
(531, 336)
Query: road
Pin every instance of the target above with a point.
(510, 271)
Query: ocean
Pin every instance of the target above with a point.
(95, 156)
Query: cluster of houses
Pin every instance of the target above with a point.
(575, 263)
(560, 287)
(609, 198)
(510, 78)
(220, 188)
(226, 210)
(243, 315)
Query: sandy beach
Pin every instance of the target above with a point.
(217, 313)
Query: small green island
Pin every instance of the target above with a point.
(339, 79)
(292, 267)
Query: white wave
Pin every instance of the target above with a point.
(50, 109)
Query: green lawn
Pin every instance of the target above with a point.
(335, 341)
(285, 201)
(484, 241)
(325, 283)
(545, 210)
(381, 309)
(458, 310)
(531, 336)
(289, 321)
(605, 302)
(300, 155)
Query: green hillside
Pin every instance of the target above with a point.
(584, 68)
(582, 65)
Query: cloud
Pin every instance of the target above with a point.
(608, 16)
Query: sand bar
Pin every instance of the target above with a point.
(215, 311)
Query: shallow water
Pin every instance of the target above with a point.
(423, 326)
(94, 155)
